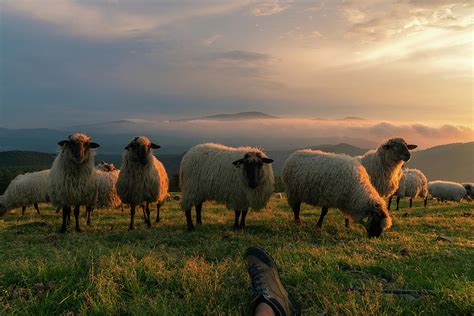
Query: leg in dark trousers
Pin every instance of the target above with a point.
(132, 217)
(66, 214)
(324, 211)
(76, 218)
(198, 213)
(37, 208)
(242, 219)
(236, 221)
(189, 220)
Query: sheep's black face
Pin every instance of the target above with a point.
(252, 167)
(78, 149)
(376, 222)
(397, 149)
(3, 209)
(141, 147)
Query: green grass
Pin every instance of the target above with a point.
(166, 270)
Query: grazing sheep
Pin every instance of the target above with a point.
(385, 163)
(26, 189)
(72, 180)
(143, 178)
(446, 190)
(333, 180)
(413, 184)
(469, 186)
(107, 197)
(239, 177)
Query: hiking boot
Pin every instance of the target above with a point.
(266, 284)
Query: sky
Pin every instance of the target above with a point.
(66, 62)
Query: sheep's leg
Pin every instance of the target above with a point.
(242, 220)
(144, 213)
(121, 206)
(389, 202)
(76, 218)
(37, 208)
(198, 213)
(158, 206)
(132, 215)
(347, 222)
(189, 220)
(296, 211)
(58, 209)
(324, 211)
(426, 201)
(398, 202)
(66, 212)
(23, 209)
(69, 217)
(89, 210)
(411, 202)
(147, 208)
(236, 221)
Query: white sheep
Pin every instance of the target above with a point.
(26, 189)
(143, 178)
(72, 180)
(239, 177)
(107, 197)
(333, 180)
(413, 184)
(447, 190)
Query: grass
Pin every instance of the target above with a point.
(166, 270)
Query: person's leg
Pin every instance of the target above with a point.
(269, 295)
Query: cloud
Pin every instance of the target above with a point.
(267, 8)
(245, 56)
(211, 40)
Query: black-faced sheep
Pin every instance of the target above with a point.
(332, 180)
(143, 178)
(72, 180)
(239, 177)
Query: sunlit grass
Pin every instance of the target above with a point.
(166, 270)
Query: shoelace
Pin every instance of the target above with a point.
(258, 284)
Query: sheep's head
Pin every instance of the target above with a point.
(252, 164)
(140, 148)
(396, 149)
(377, 220)
(105, 166)
(78, 146)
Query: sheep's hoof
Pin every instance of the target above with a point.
(190, 228)
(63, 230)
(89, 223)
(78, 230)
(297, 221)
(199, 223)
(131, 227)
(158, 220)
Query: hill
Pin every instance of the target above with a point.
(253, 115)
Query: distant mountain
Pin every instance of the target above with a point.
(232, 117)
(453, 162)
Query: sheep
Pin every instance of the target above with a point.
(107, 175)
(334, 180)
(26, 189)
(142, 179)
(447, 190)
(239, 177)
(469, 186)
(72, 180)
(413, 184)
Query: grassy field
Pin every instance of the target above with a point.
(166, 270)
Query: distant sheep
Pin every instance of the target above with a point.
(72, 180)
(447, 191)
(26, 189)
(413, 184)
(143, 178)
(107, 197)
(333, 180)
(469, 186)
(239, 177)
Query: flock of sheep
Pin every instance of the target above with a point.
(241, 178)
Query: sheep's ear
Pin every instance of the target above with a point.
(127, 147)
(63, 142)
(237, 163)
(154, 146)
(102, 162)
(410, 147)
(267, 160)
(93, 145)
(386, 146)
